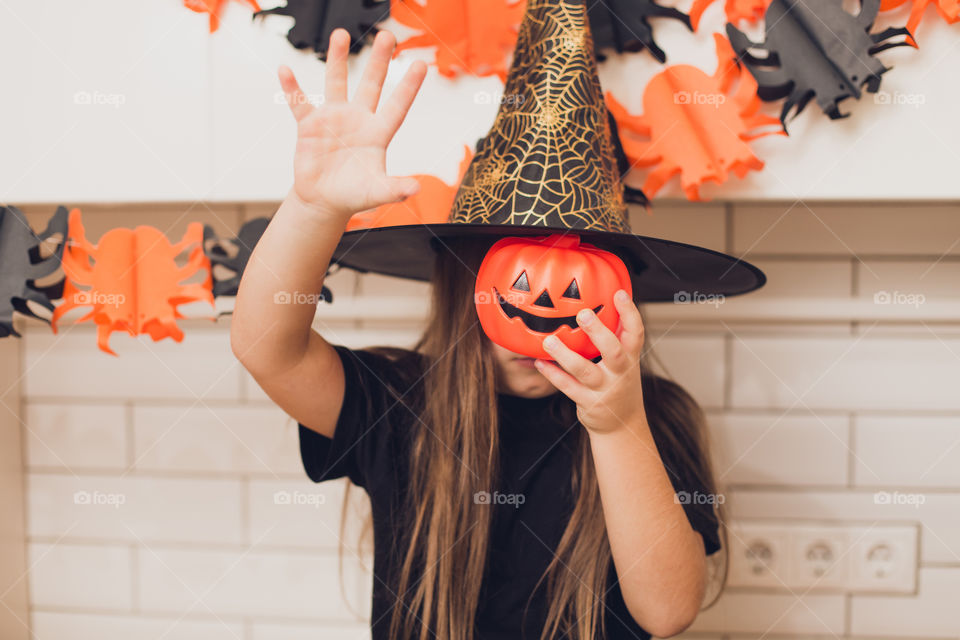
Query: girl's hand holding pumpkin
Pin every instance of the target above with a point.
(608, 393)
(340, 158)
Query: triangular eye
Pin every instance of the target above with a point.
(521, 284)
(573, 291)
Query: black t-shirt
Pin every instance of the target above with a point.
(536, 456)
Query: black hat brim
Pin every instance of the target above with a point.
(660, 270)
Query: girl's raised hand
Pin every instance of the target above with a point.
(340, 158)
(608, 393)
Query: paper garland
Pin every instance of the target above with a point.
(315, 20)
(816, 50)
(469, 36)
(623, 25)
(694, 126)
(131, 279)
(214, 8)
(22, 265)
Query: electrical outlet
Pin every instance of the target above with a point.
(819, 557)
(883, 559)
(757, 555)
(851, 558)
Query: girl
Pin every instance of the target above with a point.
(511, 498)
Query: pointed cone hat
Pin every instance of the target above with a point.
(550, 164)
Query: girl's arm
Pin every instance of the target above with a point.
(339, 169)
(660, 560)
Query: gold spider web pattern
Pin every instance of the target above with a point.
(549, 159)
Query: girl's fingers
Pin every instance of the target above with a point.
(631, 324)
(562, 380)
(396, 107)
(586, 372)
(296, 100)
(368, 92)
(605, 340)
(336, 68)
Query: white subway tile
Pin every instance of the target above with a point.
(704, 225)
(907, 451)
(777, 449)
(936, 512)
(252, 583)
(134, 508)
(76, 436)
(80, 576)
(267, 631)
(214, 438)
(48, 625)
(843, 229)
(305, 514)
(932, 613)
(766, 613)
(823, 278)
(930, 278)
(70, 365)
(694, 362)
(857, 372)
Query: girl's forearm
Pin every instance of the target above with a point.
(281, 284)
(659, 558)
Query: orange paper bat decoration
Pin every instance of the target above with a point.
(430, 205)
(134, 281)
(949, 10)
(694, 127)
(736, 10)
(214, 8)
(470, 36)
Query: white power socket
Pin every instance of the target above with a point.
(819, 557)
(832, 557)
(758, 555)
(883, 559)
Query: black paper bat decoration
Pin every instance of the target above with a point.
(236, 260)
(315, 20)
(816, 48)
(21, 265)
(622, 25)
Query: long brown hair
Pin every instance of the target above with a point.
(454, 455)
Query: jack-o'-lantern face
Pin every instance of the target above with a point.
(528, 288)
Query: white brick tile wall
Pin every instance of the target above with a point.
(779, 449)
(250, 583)
(201, 367)
(763, 613)
(931, 278)
(134, 508)
(907, 451)
(216, 439)
(76, 436)
(264, 631)
(696, 360)
(85, 626)
(95, 577)
(294, 514)
(221, 535)
(860, 372)
(896, 229)
(931, 613)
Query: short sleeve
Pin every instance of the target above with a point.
(363, 436)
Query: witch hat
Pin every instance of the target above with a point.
(552, 163)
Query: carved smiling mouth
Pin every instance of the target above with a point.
(535, 322)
